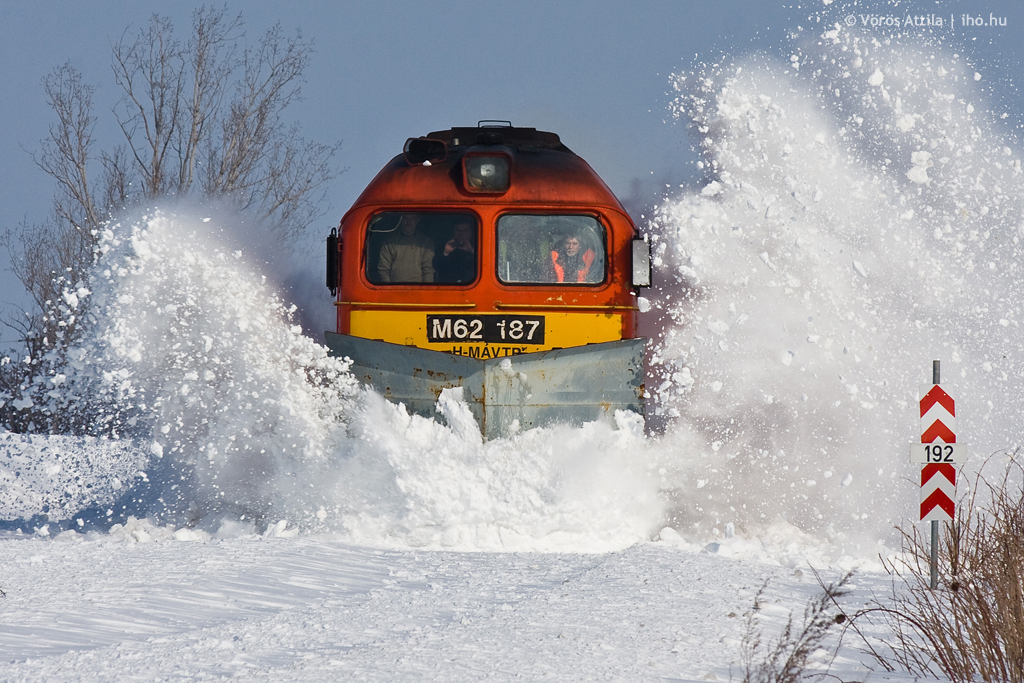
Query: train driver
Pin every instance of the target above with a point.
(570, 262)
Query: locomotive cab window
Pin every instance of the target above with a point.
(408, 247)
(551, 249)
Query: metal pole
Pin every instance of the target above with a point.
(935, 523)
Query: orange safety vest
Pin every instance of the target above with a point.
(588, 260)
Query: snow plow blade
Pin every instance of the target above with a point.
(572, 385)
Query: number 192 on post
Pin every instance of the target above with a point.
(938, 452)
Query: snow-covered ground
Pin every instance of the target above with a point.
(112, 608)
(862, 216)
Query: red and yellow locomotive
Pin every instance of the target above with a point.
(492, 258)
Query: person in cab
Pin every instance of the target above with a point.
(456, 262)
(570, 262)
(407, 255)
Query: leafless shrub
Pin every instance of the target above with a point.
(972, 626)
(786, 658)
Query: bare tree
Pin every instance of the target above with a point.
(257, 159)
(61, 249)
(210, 113)
(204, 117)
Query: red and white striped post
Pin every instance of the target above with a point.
(938, 451)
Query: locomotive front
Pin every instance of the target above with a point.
(496, 260)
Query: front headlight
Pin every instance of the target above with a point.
(486, 173)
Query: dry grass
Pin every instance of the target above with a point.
(786, 659)
(971, 627)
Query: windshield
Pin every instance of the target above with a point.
(409, 247)
(551, 249)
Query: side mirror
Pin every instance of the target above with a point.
(333, 247)
(418, 150)
(641, 264)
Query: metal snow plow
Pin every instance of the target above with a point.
(570, 385)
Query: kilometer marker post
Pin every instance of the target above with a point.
(939, 451)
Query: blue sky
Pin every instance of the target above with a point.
(597, 73)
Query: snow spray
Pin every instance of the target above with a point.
(861, 215)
